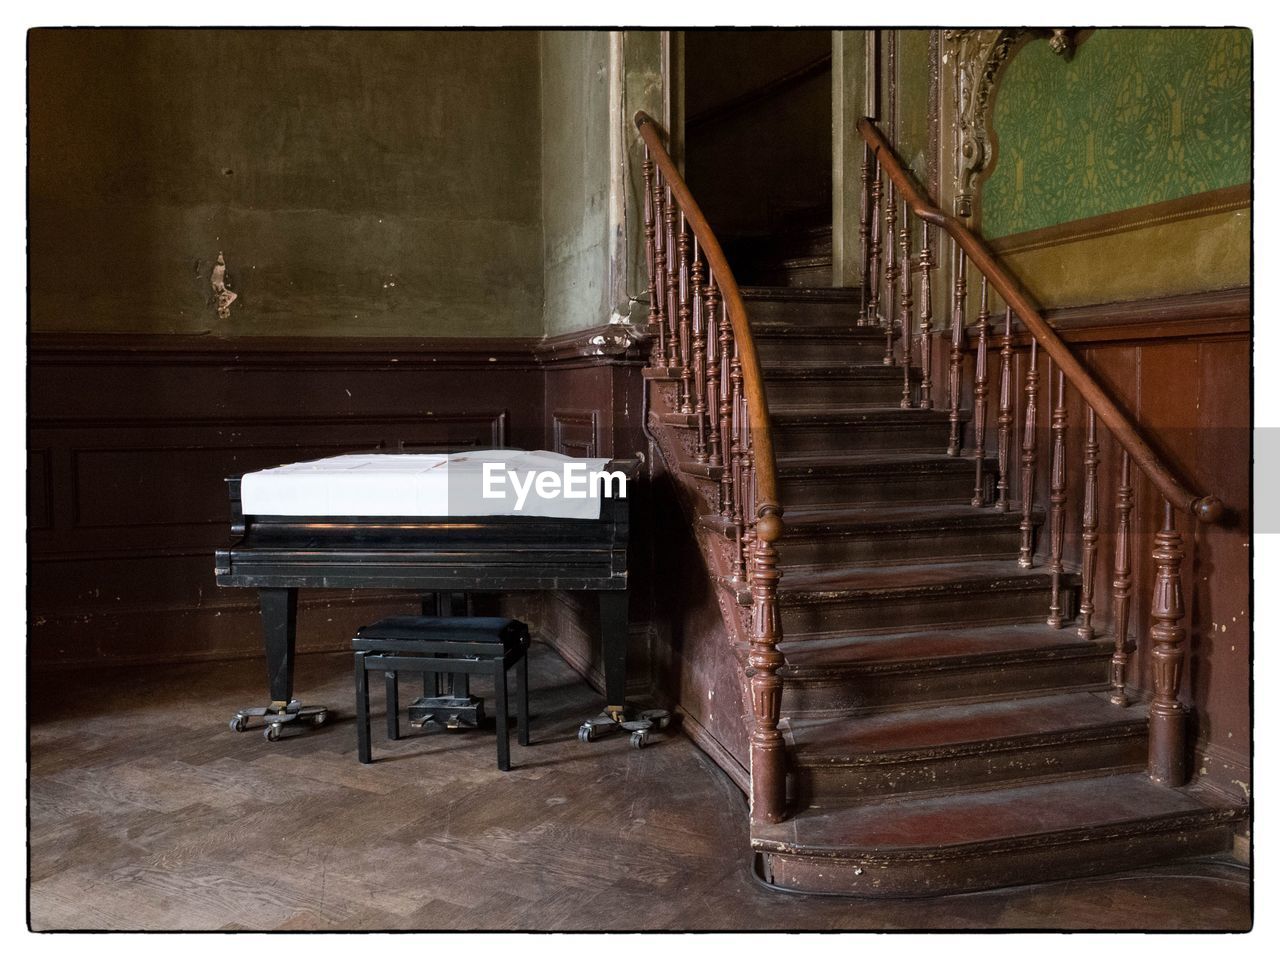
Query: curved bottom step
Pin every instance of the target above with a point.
(979, 841)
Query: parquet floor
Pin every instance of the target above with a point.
(148, 813)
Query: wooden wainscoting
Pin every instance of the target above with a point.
(131, 437)
(1181, 366)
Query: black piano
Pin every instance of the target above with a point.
(279, 555)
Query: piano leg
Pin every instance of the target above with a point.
(613, 629)
(279, 607)
(279, 632)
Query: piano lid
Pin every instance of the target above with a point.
(471, 483)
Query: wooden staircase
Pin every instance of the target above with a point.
(939, 732)
(940, 736)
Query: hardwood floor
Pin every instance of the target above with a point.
(147, 813)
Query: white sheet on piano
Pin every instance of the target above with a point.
(419, 485)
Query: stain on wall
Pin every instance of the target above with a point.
(911, 136)
(358, 182)
(1136, 117)
(575, 179)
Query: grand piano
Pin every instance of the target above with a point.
(429, 555)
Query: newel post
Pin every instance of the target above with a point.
(1166, 758)
(768, 756)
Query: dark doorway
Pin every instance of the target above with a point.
(758, 148)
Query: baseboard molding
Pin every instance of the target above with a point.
(1226, 772)
(150, 637)
(583, 668)
(716, 750)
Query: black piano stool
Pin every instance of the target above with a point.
(443, 645)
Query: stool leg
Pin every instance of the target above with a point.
(522, 699)
(500, 713)
(393, 705)
(362, 711)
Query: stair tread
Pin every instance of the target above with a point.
(824, 330)
(822, 522)
(1028, 812)
(852, 413)
(934, 645)
(803, 464)
(949, 725)
(870, 369)
(801, 294)
(935, 576)
(896, 516)
(806, 260)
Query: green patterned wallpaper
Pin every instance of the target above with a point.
(1135, 117)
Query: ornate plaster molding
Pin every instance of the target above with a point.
(976, 58)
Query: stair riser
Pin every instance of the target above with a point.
(817, 490)
(775, 348)
(900, 546)
(995, 765)
(853, 693)
(856, 438)
(808, 244)
(880, 392)
(789, 311)
(984, 867)
(895, 614)
(810, 275)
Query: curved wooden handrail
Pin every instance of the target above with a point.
(1206, 508)
(768, 505)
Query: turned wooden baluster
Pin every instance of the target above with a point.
(957, 352)
(768, 766)
(1057, 498)
(873, 270)
(710, 396)
(890, 274)
(1089, 526)
(727, 353)
(1004, 422)
(656, 318)
(864, 238)
(980, 400)
(1122, 584)
(677, 360)
(735, 469)
(747, 488)
(699, 334)
(1166, 756)
(686, 333)
(904, 308)
(926, 320)
(1025, 558)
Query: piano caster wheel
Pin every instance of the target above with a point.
(595, 728)
(271, 732)
(661, 719)
(319, 718)
(239, 724)
(639, 730)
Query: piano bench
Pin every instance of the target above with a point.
(443, 645)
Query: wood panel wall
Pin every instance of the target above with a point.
(131, 437)
(1181, 367)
